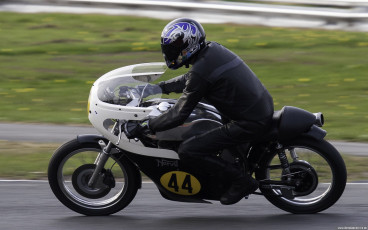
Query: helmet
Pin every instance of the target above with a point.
(180, 40)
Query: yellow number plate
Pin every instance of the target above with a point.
(180, 182)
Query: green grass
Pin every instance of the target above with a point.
(48, 63)
(23, 160)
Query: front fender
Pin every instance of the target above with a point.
(85, 138)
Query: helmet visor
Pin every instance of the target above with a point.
(171, 52)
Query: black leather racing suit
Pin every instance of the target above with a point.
(221, 78)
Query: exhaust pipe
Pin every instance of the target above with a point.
(319, 119)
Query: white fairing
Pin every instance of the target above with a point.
(114, 97)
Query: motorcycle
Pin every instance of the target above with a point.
(298, 171)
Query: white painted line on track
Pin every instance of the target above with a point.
(24, 181)
(357, 183)
(46, 181)
(144, 182)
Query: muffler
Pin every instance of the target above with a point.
(319, 119)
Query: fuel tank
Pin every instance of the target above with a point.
(203, 118)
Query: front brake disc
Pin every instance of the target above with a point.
(80, 179)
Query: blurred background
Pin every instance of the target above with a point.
(310, 54)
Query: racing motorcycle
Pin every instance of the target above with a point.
(298, 171)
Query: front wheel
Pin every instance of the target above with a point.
(317, 174)
(70, 169)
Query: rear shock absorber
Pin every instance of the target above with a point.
(283, 160)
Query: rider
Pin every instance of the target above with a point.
(221, 78)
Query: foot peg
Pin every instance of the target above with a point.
(241, 188)
(287, 193)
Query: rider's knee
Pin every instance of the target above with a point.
(186, 149)
(183, 152)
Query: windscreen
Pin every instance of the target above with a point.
(131, 85)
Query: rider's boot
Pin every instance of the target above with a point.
(241, 186)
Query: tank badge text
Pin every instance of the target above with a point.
(163, 162)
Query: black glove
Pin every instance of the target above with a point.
(149, 90)
(133, 129)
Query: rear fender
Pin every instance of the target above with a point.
(295, 121)
(316, 133)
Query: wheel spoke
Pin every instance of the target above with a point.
(316, 176)
(78, 192)
(310, 163)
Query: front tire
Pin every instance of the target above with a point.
(329, 167)
(78, 158)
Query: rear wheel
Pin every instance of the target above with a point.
(70, 169)
(317, 177)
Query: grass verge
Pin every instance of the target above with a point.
(48, 63)
(23, 160)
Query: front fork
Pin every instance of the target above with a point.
(104, 156)
(100, 164)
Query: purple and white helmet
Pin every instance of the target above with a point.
(180, 39)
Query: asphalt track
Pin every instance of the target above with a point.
(354, 19)
(31, 205)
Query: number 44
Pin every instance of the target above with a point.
(186, 185)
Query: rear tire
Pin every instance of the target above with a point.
(61, 185)
(307, 205)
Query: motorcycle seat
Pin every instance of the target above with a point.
(272, 133)
(290, 122)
